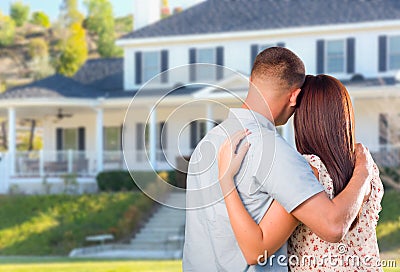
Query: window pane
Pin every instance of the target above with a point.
(112, 138)
(394, 53)
(151, 65)
(335, 56)
(205, 72)
(264, 46)
(70, 139)
(206, 55)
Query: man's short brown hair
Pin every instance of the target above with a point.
(282, 64)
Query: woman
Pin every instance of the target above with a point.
(324, 131)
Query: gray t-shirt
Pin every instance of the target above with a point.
(272, 169)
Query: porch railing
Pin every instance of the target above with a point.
(53, 163)
(387, 155)
(82, 163)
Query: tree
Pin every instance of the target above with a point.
(7, 30)
(19, 12)
(100, 21)
(69, 13)
(74, 52)
(41, 19)
(73, 49)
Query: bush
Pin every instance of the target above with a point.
(118, 180)
(41, 19)
(38, 48)
(19, 12)
(7, 30)
(115, 181)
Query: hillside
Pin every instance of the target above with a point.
(16, 64)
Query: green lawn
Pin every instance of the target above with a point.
(388, 230)
(74, 265)
(55, 224)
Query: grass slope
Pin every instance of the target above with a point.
(55, 224)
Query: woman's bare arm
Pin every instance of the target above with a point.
(254, 239)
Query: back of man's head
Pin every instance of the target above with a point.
(279, 66)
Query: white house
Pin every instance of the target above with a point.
(355, 41)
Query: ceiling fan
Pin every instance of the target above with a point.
(60, 115)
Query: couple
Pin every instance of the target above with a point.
(261, 205)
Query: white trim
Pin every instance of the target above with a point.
(256, 34)
(12, 139)
(99, 139)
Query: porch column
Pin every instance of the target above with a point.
(153, 137)
(99, 139)
(11, 139)
(210, 116)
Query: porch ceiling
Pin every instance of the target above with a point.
(38, 112)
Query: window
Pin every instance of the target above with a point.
(394, 53)
(151, 65)
(265, 46)
(112, 138)
(198, 129)
(70, 138)
(206, 55)
(335, 56)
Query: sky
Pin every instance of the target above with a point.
(121, 7)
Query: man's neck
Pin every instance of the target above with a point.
(248, 106)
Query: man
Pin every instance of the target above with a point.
(272, 170)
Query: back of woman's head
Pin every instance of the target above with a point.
(324, 126)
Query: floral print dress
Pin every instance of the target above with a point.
(358, 251)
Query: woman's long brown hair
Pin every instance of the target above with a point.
(324, 126)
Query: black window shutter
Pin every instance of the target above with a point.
(164, 66)
(163, 135)
(280, 44)
(139, 136)
(81, 138)
(382, 66)
(351, 58)
(192, 60)
(138, 68)
(320, 56)
(220, 61)
(59, 139)
(254, 53)
(193, 134)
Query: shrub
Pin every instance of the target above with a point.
(19, 12)
(7, 30)
(115, 181)
(38, 48)
(41, 19)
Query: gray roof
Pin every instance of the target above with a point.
(59, 86)
(55, 86)
(104, 74)
(214, 16)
